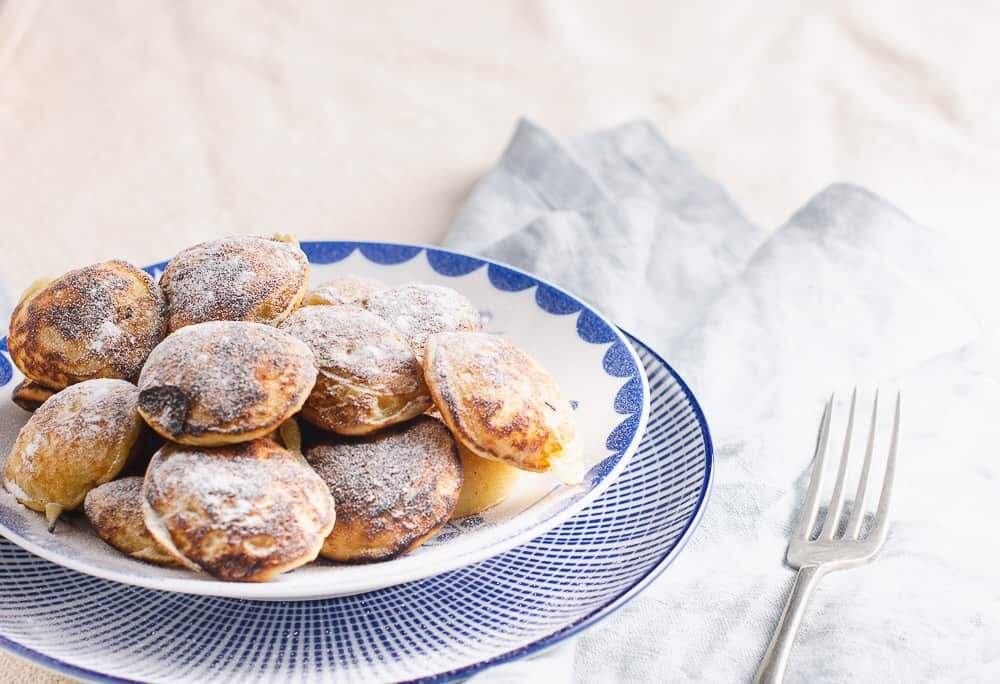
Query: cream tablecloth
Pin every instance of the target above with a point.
(133, 129)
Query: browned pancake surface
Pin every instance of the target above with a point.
(81, 437)
(368, 375)
(100, 321)
(114, 510)
(497, 400)
(393, 489)
(243, 512)
(222, 382)
(240, 278)
(29, 395)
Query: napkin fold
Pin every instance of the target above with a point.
(764, 326)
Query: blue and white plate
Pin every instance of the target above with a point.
(437, 629)
(590, 358)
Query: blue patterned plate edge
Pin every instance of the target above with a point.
(620, 361)
(628, 594)
(527, 650)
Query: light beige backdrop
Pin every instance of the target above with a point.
(134, 129)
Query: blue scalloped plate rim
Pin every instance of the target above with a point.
(601, 612)
(553, 301)
(619, 361)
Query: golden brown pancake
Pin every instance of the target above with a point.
(115, 512)
(29, 395)
(485, 483)
(501, 404)
(223, 382)
(99, 321)
(241, 278)
(419, 311)
(368, 375)
(243, 512)
(350, 289)
(393, 489)
(80, 438)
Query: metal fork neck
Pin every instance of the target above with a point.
(775, 662)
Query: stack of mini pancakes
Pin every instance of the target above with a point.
(168, 410)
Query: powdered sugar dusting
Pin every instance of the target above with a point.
(98, 411)
(241, 278)
(97, 321)
(107, 333)
(121, 495)
(225, 486)
(356, 343)
(394, 472)
(225, 376)
(349, 289)
(74, 440)
(419, 311)
(217, 504)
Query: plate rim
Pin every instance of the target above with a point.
(612, 606)
(61, 667)
(264, 592)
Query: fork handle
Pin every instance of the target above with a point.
(772, 667)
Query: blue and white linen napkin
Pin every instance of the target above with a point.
(764, 326)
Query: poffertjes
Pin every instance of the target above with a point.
(244, 512)
(368, 375)
(80, 438)
(419, 311)
(223, 382)
(240, 278)
(394, 489)
(350, 289)
(501, 404)
(29, 395)
(100, 321)
(114, 510)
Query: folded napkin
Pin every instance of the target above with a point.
(764, 326)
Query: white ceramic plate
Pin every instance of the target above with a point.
(591, 359)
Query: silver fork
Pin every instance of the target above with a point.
(830, 551)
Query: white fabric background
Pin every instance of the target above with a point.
(133, 129)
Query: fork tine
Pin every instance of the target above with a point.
(810, 507)
(858, 511)
(837, 503)
(881, 529)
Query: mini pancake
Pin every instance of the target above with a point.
(419, 311)
(244, 512)
(394, 489)
(486, 483)
(80, 438)
(350, 289)
(501, 404)
(29, 395)
(115, 512)
(223, 382)
(100, 321)
(241, 278)
(368, 375)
